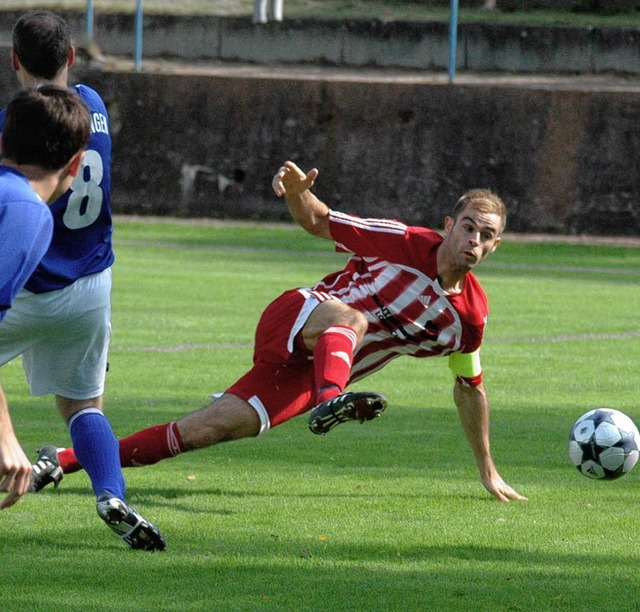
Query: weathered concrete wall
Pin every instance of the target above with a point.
(565, 160)
(603, 7)
(207, 142)
(424, 46)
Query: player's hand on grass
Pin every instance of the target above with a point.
(15, 470)
(500, 489)
(291, 180)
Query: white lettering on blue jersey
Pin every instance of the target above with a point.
(99, 123)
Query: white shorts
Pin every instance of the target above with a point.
(63, 337)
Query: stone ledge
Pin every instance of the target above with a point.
(362, 43)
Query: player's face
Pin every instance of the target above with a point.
(472, 236)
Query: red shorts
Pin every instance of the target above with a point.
(281, 383)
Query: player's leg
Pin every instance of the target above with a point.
(280, 385)
(145, 447)
(97, 450)
(16, 332)
(240, 412)
(264, 397)
(225, 418)
(71, 362)
(333, 332)
(94, 442)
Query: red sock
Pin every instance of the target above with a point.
(145, 447)
(148, 446)
(68, 461)
(332, 359)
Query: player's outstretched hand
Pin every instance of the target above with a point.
(290, 180)
(15, 471)
(501, 490)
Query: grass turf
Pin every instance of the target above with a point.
(389, 515)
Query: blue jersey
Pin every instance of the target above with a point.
(81, 243)
(26, 226)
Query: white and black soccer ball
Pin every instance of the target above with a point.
(604, 444)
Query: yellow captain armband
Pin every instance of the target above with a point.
(466, 368)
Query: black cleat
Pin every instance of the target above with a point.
(46, 469)
(348, 406)
(137, 532)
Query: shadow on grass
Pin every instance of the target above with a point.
(292, 574)
(159, 497)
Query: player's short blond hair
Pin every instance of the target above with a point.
(482, 200)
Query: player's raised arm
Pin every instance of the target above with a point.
(292, 183)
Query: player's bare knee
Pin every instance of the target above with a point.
(353, 319)
(330, 313)
(358, 322)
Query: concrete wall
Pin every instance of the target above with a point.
(354, 43)
(565, 160)
(207, 142)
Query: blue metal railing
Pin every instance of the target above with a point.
(139, 32)
(89, 19)
(139, 29)
(453, 39)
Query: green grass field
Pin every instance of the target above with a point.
(389, 515)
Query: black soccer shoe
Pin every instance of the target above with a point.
(348, 406)
(137, 532)
(46, 469)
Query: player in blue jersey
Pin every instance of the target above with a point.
(45, 132)
(61, 322)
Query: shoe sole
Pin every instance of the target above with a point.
(359, 406)
(128, 525)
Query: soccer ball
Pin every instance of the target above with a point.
(604, 444)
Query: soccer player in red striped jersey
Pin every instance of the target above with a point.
(404, 291)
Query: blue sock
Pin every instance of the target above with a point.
(97, 450)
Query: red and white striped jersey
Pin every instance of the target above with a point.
(392, 279)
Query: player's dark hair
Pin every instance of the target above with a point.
(42, 41)
(45, 126)
(482, 200)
